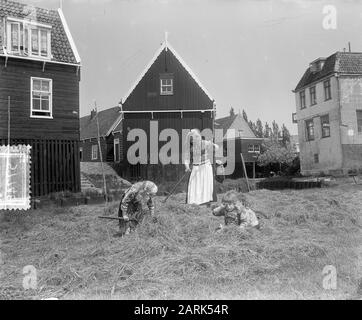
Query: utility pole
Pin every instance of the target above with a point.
(101, 155)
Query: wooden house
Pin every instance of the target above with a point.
(110, 136)
(169, 92)
(39, 93)
(244, 143)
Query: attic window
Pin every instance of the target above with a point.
(28, 38)
(166, 84)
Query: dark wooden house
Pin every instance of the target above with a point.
(39, 91)
(167, 91)
(110, 136)
(244, 142)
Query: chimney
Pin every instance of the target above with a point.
(93, 113)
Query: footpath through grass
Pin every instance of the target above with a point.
(180, 256)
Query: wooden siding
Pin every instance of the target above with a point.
(15, 81)
(187, 93)
(54, 165)
(107, 146)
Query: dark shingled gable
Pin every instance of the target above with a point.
(339, 62)
(107, 118)
(61, 48)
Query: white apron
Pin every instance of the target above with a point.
(201, 184)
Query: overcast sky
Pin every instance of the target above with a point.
(248, 54)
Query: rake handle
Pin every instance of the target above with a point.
(115, 218)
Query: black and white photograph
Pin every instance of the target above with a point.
(180, 150)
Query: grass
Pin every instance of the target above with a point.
(180, 256)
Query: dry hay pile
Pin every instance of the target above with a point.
(180, 255)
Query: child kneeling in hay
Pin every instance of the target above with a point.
(235, 211)
(133, 203)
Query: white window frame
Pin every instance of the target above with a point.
(95, 152)
(29, 26)
(162, 86)
(115, 142)
(30, 42)
(257, 148)
(9, 37)
(50, 99)
(251, 148)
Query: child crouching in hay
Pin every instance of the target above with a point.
(235, 211)
(133, 203)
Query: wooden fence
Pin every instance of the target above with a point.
(55, 165)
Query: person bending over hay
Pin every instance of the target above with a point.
(132, 207)
(201, 183)
(235, 211)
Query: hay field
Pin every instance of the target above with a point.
(180, 256)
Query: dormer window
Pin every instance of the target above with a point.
(28, 38)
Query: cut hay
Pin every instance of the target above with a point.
(179, 254)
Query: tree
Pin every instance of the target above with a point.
(266, 130)
(232, 112)
(259, 129)
(275, 131)
(276, 153)
(252, 126)
(245, 116)
(285, 135)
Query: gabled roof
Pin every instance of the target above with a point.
(339, 62)
(62, 43)
(165, 46)
(236, 122)
(225, 123)
(106, 118)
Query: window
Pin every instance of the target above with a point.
(166, 85)
(14, 37)
(302, 99)
(28, 38)
(310, 130)
(359, 120)
(41, 98)
(313, 96)
(116, 151)
(316, 158)
(326, 129)
(94, 152)
(254, 148)
(40, 44)
(81, 153)
(327, 90)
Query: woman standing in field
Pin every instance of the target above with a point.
(201, 183)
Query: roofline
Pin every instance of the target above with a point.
(69, 35)
(244, 138)
(115, 124)
(29, 21)
(168, 111)
(332, 73)
(165, 45)
(5, 55)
